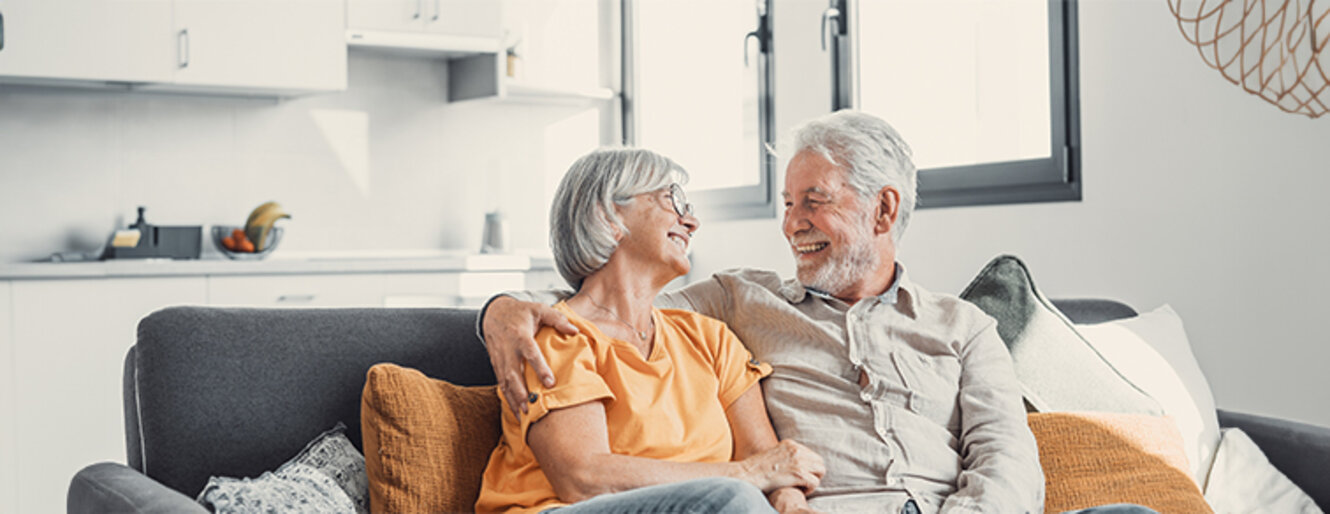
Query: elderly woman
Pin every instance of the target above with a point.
(655, 410)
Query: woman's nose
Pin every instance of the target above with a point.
(690, 222)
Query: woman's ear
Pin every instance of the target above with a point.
(616, 228)
(888, 209)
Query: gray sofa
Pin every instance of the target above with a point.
(235, 392)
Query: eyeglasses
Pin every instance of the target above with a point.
(679, 201)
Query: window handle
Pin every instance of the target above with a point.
(831, 15)
(182, 47)
(750, 35)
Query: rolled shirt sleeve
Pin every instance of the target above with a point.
(1000, 459)
(573, 359)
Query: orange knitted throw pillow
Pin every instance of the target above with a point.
(426, 441)
(1097, 458)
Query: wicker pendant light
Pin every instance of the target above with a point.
(1272, 48)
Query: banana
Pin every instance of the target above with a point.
(261, 222)
(258, 211)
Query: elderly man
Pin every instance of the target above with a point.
(908, 395)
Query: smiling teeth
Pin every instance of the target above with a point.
(680, 242)
(810, 247)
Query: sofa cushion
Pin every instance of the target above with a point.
(1096, 458)
(328, 475)
(1243, 480)
(427, 441)
(1151, 350)
(296, 489)
(1057, 368)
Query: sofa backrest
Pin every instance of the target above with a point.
(236, 392)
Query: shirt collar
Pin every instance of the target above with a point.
(794, 292)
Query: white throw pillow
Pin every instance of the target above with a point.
(1152, 352)
(1243, 480)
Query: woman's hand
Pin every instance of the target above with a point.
(788, 464)
(510, 327)
(790, 500)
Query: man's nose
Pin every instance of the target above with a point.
(794, 222)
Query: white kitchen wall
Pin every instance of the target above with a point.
(1196, 194)
(388, 164)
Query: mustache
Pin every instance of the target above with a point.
(812, 235)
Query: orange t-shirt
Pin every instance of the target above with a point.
(670, 406)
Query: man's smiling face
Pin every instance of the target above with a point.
(829, 228)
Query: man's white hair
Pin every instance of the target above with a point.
(872, 154)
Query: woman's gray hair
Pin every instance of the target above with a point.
(870, 151)
(583, 218)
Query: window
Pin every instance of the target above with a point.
(1000, 124)
(696, 80)
(985, 92)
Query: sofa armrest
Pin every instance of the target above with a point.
(111, 487)
(1300, 451)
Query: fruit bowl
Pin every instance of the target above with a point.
(220, 232)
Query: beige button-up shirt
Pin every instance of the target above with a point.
(906, 395)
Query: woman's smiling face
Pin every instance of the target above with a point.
(657, 234)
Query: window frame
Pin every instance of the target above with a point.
(730, 203)
(1052, 179)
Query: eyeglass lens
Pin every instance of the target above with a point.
(680, 201)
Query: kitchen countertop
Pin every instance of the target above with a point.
(400, 261)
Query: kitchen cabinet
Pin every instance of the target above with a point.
(69, 344)
(259, 45)
(97, 40)
(468, 18)
(341, 290)
(222, 46)
(8, 474)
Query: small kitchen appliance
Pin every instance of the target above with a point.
(154, 242)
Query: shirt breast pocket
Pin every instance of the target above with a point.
(934, 382)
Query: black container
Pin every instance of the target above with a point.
(159, 242)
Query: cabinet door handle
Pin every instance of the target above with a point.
(2, 31)
(419, 6)
(295, 298)
(436, 11)
(182, 47)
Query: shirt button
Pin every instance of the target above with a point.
(531, 398)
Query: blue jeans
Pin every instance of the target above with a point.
(704, 495)
(1116, 508)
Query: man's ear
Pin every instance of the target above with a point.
(888, 209)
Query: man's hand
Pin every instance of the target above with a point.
(788, 464)
(510, 327)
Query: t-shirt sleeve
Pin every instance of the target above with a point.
(736, 367)
(577, 380)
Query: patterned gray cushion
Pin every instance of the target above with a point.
(327, 476)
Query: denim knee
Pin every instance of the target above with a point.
(734, 496)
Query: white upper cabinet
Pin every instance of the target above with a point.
(101, 40)
(260, 44)
(474, 18)
(228, 46)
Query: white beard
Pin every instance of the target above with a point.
(844, 268)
